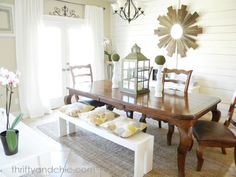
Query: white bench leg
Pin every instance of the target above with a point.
(71, 128)
(62, 127)
(44, 161)
(143, 158)
(139, 161)
(148, 158)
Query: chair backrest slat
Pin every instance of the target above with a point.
(231, 112)
(188, 74)
(89, 73)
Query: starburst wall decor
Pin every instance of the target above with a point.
(178, 31)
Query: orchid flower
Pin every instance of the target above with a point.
(9, 80)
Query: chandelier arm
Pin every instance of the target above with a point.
(135, 17)
(126, 8)
(129, 8)
(120, 14)
(137, 11)
(138, 14)
(135, 8)
(125, 17)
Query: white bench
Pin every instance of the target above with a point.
(141, 143)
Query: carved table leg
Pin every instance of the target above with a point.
(223, 150)
(67, 99)
(216, 115)
(184, 145)
(171, 129)
(143, 119)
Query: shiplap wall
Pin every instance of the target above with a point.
(214, 62)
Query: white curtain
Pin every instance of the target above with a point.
(94, 21)
(29, 14)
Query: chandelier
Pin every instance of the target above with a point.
(127, 9)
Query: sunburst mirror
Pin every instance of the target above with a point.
(178, 31)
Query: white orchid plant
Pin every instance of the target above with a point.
(10, 81)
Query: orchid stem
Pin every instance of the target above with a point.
(9, 107)
(7, 114)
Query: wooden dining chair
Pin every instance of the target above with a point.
(83, 73)
(214, 134)
(184, 81)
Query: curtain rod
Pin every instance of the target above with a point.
(76, 3)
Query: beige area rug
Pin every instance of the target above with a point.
(118, 161)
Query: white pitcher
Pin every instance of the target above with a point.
(115, 77)
(159, 86)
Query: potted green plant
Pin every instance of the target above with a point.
(9, 137)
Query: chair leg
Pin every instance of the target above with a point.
(190, 148)
(223, 150)
(171, 129)
(235, 155)
(129, 114)
(76, 98)
(143, 119)
(159, 123)
(109, 107)
(200, 159)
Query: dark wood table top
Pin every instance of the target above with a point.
(173, 104)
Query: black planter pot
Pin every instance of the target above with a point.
(4, 143)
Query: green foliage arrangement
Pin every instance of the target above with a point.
(115, 57)
(160, 60)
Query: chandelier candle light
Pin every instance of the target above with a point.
(127, 9)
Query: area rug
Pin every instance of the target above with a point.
(119, 161)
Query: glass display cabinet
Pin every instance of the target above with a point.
(135, 72)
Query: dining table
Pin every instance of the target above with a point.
(175, 107)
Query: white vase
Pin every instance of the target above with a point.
(115, 77)
(159, 86)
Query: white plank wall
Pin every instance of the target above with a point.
(214, 62)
